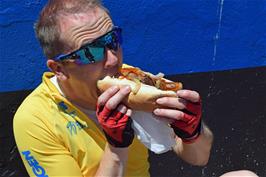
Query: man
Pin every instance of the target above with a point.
(66, 127)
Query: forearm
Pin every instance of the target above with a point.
(113, 162)
(196, 153)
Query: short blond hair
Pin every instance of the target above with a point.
(47, 28)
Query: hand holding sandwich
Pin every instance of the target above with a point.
(114, 117)
(184, 114)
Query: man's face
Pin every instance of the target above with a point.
(82, 28)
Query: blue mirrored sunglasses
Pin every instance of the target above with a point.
(95, 50)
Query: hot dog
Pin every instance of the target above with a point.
(145, 87)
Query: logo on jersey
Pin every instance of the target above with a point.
(64, 107)
(37, 169)
(74, 126)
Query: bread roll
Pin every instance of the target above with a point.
(143, 100)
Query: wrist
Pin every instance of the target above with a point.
(118, 154)
(124, 142)
(117, 149)
(195, 137)
(113, 161)
(191, 139)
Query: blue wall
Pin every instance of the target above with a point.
(173, 36)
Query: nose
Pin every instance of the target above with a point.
(111, 59)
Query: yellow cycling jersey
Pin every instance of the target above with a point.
(55, 138)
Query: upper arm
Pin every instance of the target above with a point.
(41, 152)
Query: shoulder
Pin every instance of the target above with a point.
(34, 127)
(33, 105)
(34, 113)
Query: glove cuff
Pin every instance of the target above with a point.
(117, 144)
(188, 138)
(191, 140)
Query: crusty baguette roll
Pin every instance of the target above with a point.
(144, 99)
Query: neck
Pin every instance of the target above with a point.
(86, 100)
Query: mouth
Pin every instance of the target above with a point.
(112, 73)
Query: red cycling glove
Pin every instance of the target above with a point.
(189, 127)
(116, 126)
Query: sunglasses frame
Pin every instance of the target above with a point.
(80, 60)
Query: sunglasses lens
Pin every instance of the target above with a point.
(97, 52)
(90, 55)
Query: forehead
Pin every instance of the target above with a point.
(83, 27)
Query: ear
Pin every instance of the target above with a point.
(58, 69)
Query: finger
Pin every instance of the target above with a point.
(190, 95)
(119, 113)
(115, 117)
(129, 112)
(169, 113)
(104, 114)
(125, 118)
(172, 102)
(187, 117)
(164, 119)
(194, 108)
(117, 98)
(126, 115)
(122, 108)
(105, 96)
